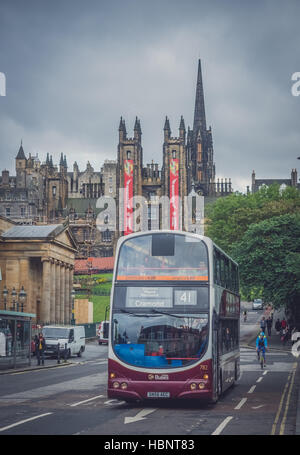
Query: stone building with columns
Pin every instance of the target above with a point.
(41, 260)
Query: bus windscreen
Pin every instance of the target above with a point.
(163, 340)
(163, 257)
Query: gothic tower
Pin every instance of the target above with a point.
(174, 170)
(129, 166)
(200, 146)
(21, 164)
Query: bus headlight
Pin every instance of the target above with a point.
(124, 385)
(205, 376)
(116, 385)
(193, 386)
(112, 375)
(201, 385)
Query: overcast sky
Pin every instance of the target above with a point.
(74, 67)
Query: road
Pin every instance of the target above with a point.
(71, 400)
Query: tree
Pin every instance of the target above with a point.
(229, 218)
(269, 258)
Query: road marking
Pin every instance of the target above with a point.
(282, 426)
(241, 403)
(221, 427)
(86, 401)
(140, 416)
(260, 379)
(114, 401)
(265, 372)
(280, 406)
(259, 406)
(252, 389)
(24, 421)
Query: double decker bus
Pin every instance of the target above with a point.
(174, 319)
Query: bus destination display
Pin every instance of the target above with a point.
(159, 297)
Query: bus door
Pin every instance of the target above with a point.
(216, 354)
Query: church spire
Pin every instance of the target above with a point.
(199, 114)
(21, 154)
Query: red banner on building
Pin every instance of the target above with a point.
(174, 194)
(128, 194)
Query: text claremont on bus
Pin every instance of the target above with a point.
(174, 319)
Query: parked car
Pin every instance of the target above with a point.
(257, 304)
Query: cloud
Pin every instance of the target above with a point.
(72, 70)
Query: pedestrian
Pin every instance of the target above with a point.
(62, 351)
(278, 326)
(269, 326)
(283, 323)
(40, 347)
(263, 324)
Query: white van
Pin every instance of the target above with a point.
(103, 332)
(68, 337)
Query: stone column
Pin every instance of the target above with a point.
(71, 271)
(57, 292)
(52, 291)
(45, 303)
(67, 295)
(25, 280)
(62, 293)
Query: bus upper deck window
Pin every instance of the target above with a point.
(163, 245)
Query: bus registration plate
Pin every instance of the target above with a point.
(158, 394)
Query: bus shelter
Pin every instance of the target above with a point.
(15, 338)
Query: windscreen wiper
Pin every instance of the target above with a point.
(168, 314)
(132, 313)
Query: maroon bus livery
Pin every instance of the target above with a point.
(174, 318)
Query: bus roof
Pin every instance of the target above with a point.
(206, 239)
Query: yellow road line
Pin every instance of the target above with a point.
(282, 426)
(288, 385)
(280, 406)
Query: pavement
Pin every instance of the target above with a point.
(50, 362)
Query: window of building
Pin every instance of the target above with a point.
(7, 211)
(106, 236)
(53, 190)
(23, 211)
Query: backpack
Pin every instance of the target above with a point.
(261, 342)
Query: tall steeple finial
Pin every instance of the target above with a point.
(199, 114)
(137, 129)
(167, 129)
(182, 128)
(122, 130)
(21, 154)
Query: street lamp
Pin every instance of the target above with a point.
(106, 310)
(13, 296)
(22, 298)
(73, 297)
(5, 294)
